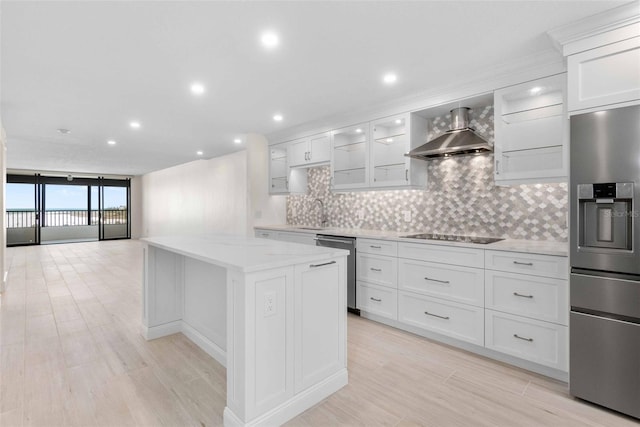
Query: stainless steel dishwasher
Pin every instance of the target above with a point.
(349, 244)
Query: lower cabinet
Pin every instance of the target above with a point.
(540, 342)
(376, 299)
(460, 321)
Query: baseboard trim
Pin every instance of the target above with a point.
(294, 406)
(209, 347)
(161, 330)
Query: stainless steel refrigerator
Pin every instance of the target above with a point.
(605, 258)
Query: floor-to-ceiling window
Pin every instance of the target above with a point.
(47, 209)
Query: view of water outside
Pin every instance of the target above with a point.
(65, 205)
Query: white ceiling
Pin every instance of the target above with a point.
(92, 67)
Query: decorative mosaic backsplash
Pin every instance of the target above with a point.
(460, 198)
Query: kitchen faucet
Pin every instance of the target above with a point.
(323, 216)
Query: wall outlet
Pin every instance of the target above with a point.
(360, 214)
(269, 304)
(407, 216)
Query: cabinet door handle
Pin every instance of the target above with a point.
(375, 269)
(522, 338)
(310, 155)
(264, 234)
(497, 167)
(446, 282)
(375, 247)
(375, 299)
(435, 315)
(406, 175)
(523, 296)
(523, 263)
(306, 155)
(321, 265)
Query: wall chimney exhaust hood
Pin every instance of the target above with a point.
(459, 140)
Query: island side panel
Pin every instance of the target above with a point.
(205, 307)
(163, 290)
(260, 343)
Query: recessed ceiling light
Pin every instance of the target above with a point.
(398, 121)
(135, 125)
(535, 90)
(389, 139)
(237, 140)
(270, 39)
(359, 130)
(64, 131)
(111, 142)
(278, 117)
(197, 88)
(199, 153)
(389, 78)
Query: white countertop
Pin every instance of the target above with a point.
(526, 246)
(247, 254)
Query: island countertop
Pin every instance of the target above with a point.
(247, 254)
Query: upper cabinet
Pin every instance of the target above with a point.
(605, 76)
(350, 157)
(278, 170)
(531, 132)
(312, 150)
(393, 137)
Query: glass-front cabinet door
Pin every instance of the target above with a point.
(278, 169)
(390, 142)
(350, 159)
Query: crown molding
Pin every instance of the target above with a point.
(600, 23)
(531, 67)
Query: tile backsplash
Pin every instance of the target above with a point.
(460, 198)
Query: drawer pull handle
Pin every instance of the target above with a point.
(375, 299)
(523, 296)
(321, 265)
(375, 247)
(522, 338)
(376, 269)
(435, 315)
(530, 264)
(446, 282)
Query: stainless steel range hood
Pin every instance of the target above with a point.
(459, 140)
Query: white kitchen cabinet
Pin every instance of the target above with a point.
(286, 236)
(379, 300)
(540, 342)
(461, 321)
(452, 282)
(377, 269)
(392, 138)
(377, 247)
(531, 132)
(533, 264)
(350, 157)
(605, 76)
(320, 301)
(456, 255)
(312, 150)
(540, 298)
(278, 169)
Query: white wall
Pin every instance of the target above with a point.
(226, 194)
(136, 207)
(3, 182)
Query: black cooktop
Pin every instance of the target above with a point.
(455, 238)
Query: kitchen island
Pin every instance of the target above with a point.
(273, 313)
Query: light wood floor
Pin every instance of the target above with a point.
(71, 354)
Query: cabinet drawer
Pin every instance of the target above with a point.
(460, 321)
(537, 265)
(380, 247)
(378, 269)
(461, 284)
(378, 300)
(540, 298)
(265, 234)
(468, 257)
(540, 342)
